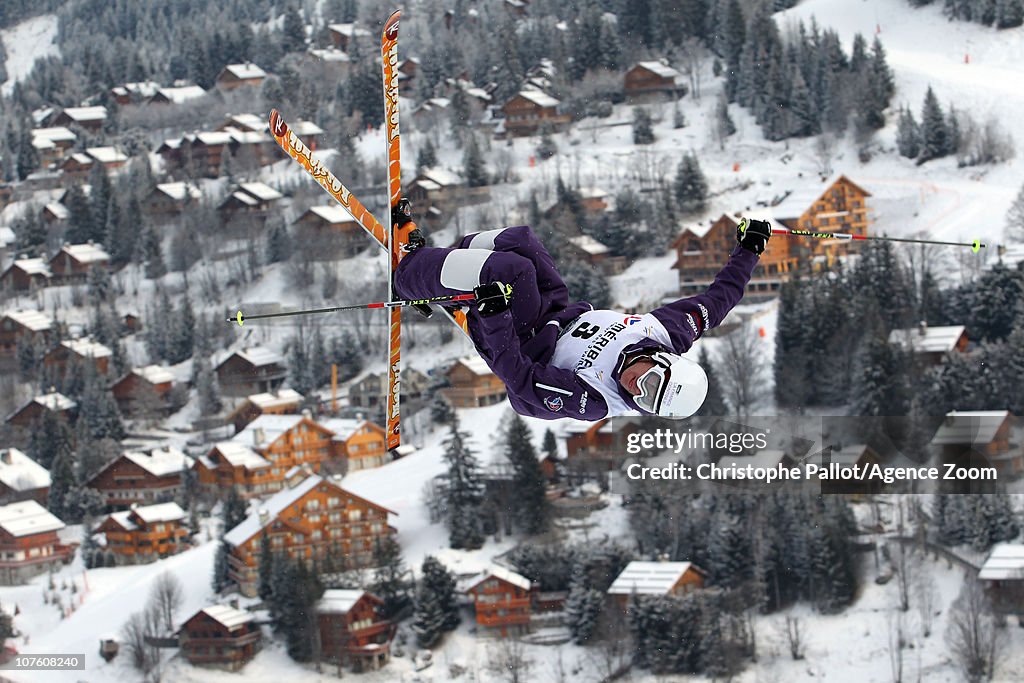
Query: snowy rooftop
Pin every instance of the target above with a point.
(142, 89)
(59, 211)
(338, 600)
(32, 266)
(283, 397)
(332, 213)
(269, 510)
(217, 137)
(7, 236)
(106, 155)
(180, 190)
(928, 339)
(1006, 561)
(348, 29)
(261, 191)
(342, 427)
(304, 128)
(476, 364)
(507, 575)
(154, 374)
(32, 320)
(26, 518)
(541, 99)
(87, 348)
(660, 69)
(266, 429)
(86, 253)
(648, 578)
(19, 472)
(55, 401)
(259, 356)
(589, 245)
(123, 519)
(330, 55)
(55, 134)
(161, 462)
(161, 512)
(228, 616)
(239, 455)
(970, 426)
(440, 176)
(86, 113)
(248, 122)
(182, 94)
(245, 71)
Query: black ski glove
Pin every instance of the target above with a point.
(493, 298)
(753, 235)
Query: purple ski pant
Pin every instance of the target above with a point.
(510, 255)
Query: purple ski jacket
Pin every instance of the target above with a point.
(537, 388)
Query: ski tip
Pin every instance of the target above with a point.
(239, 319)
(976, 245)
(277, 125)
(391, 25)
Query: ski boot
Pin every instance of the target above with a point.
(405, 230)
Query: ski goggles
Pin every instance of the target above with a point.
(652, 385)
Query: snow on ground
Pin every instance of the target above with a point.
(25, 43)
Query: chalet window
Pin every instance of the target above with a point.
(316, 535)
(314, 519)
(355, 515)
(333, 502)
(334, 517)
(298, 538)
(277, 541)
(376, 527)
(313, 505)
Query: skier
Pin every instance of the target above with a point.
(563, 359)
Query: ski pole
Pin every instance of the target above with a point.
(398, 303)
(975, 245)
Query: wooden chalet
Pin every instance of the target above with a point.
(55, 212)
(25, 275)
(234, 465)
(177, 95)
(656, 578)
(250, 204)
(839, 206)
(473, 385)
(597, 255)
(71, 265)
(931, 343)
(220, 637)
(310, 519)
(29, 414)
(144, 391)
(28, 542)
(203, 152)
(647, 81)
(528, 110)
(358, 444)
(52, 144)
(351, 630)
(168, 200)
(145, 533)
(1002, 577)
(138, 478)
(435, 191)
(251, 371)
(134, 93)
(502, 601)
(982, 438)
(91, 119)
(22, 478)
(78, 351)
(589, 438)
(370, 391)
(23, 327)
(280, 402)
(329, 232)
(235, 76)
(78, 165)
(700, 255)
(344, 34)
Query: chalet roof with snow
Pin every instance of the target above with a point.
(1005, 562)
(283, 397)
(161, 512)
(245, 72)
(339, 600)
(588, 245)
(970, 426)
(330, 54)
(85, 253)
(83, 114)
(32, 266)
(797, 202)
(349, 30)
(260, 191)
(19, 472)
(475, 364)
(331, 213)
(269, 510)
(107, 155)
(179, 94)
(257, 356)
(54, 134)
(238, 455)
(660, 69)
(928, 339)
(180, 191)
(649, 578)
(541, 99)
(26, 518)
(160, 462)
(154, 374)
(55, 401)
(440, 177)
(266, 429)
(506, 575)
(142, 89)
(342, 427)
(86, 348)
(212, 138)
(227, 616)
(31, 320)
(246, 122)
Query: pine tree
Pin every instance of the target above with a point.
(389, 581)
(474, 167)
(549, 446)
(714, 404)
(80, 228)
(427, 618)
(293, 33)
(220, 568)
(28, 159)
(153, 254)
(464, 492)
(908, 135)
(582, 609)
(1009, 13)
(267, 568)
(427, 156)
(691, 188)
(530, 506)
(62, 485)
(643, 131)
(233, 511)
(934, 129)
(50, 439)
(442, 583)
(279, 242)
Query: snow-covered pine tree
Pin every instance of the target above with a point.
(714, 404)
(220, 568)
(729, 558)
(643, 129)
(62, 484)
(464, 491)
(441, 583)
(582, 608)
(267, 568)
(153, 254)
(426, 157)
(474, 166)
(690, 185)
(530, 506)
(389, 582)
(428, 618)
(934, 129)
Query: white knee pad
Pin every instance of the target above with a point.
(461, 268)
(485, 240)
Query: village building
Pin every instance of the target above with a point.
(528, 110)
(502, 601)
(235, 76)
(351, 630)
(597, 255)
(52, 144)
(23, 327)
(358, 444)
(29, 414)
(840, 207)
(145, 533)
(25, 275)
(8, 241)
(22, 478)
(134, 93)
(248, 205)
(652, 81)
(28, 542)
(233, 465)
(54, 212)
(220, 637)
(473, 385)
(71, 265)
(434, 192)
(144, 391)
(329, 233)
(370, 391)
(310, 519)
(1002, 577)
(344, 34)
(168, 200)
(78, 165)
(180, 94)
(253, 370)
(280, 402)
(78, 351)
(656, 578)
(931, 343)
(138, 478)
(91, 119)
(982, 438)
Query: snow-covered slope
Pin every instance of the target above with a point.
(25, 43)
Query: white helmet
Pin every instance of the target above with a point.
(675, 387)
